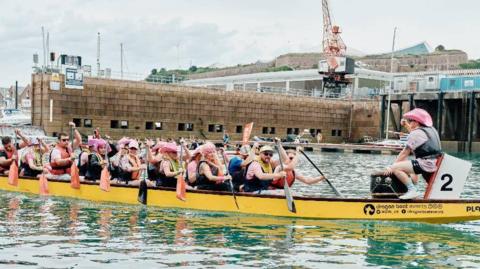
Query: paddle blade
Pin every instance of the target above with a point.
(247, 130)
(105, 180)
(13, 174)
(181, 189)
(142, 192)
(43, 182)
(290, 202)
(74, 177)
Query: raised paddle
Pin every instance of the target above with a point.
(231, 183)
(326, 179)
(286, 188)
(181, 187)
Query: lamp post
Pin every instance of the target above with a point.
(391, 83)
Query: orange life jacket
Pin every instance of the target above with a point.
(135, 162)
(278, 183)
(60, 169)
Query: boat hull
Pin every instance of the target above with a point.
(433, 211)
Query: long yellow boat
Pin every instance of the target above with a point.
(432, 211)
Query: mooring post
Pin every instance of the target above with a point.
(411, 102)
(470, 120)
(382, 116)
(439, 113)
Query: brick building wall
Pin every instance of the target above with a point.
(143, 104)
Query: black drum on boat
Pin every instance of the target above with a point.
(386, 186)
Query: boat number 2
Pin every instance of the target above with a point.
(449, 180)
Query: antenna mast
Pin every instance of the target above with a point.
(121, 60)
(98, 54)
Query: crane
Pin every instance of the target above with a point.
(336, 65)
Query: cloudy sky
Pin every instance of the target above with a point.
(171, 34)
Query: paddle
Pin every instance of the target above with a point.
(74, 172)
(143, 189)
(181, 185)
(13, 172)
(231, 183)
(286, 188)
(247, 130)
(105, 175)
(328, 181)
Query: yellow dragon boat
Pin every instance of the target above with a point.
(432, 211)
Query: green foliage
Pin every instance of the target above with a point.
(168, 76)
(440, 48)
(472, 64)
(279, 69)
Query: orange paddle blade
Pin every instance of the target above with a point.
(43, 182)
(105, 180)
(13, 174)
(247, 130)
(181, 188)
(74, 177)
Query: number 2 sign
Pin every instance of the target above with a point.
(450, 179)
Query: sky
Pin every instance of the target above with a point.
(180, 33)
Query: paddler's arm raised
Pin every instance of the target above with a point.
(281, 150)
(77, 139)
(252, 155)
(186, 152)
(25, 140)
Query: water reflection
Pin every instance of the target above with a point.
(47, 231)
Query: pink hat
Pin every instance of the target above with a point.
(133, 144)
(124, 141)
(96, 143)
(169, 147)
(159, 146)
(208, 148)
(419, 115)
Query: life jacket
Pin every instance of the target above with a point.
(202, 180)
(256, 184)
(9, 156)
(135, 162)
(37, 160)
(430, 149)
(93, 172)
(279, 183)
(163, 180)
(60, 169)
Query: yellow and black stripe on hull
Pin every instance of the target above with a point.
(433, 211)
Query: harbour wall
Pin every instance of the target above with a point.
(141, 109)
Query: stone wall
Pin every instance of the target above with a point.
(103, 101)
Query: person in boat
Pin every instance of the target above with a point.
(154, 160)
(291, 174)
(61, 157)
(237, 164)
(8, 155)
(191, 174)
(259, 173)
(170, 167)
(209, 174)
(32, 164)
(96, 159)
(85, 151)
(424, 142)
(131, 165)
(115, 168)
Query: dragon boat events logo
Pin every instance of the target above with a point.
(369, 209)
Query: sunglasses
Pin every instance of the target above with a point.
(267, 153)
(65, 139)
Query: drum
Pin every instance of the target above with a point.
(386, 186)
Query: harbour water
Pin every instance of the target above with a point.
(46, 232)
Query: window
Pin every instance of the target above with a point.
(339, 132)
(189, 127)
(272, 130)
(114, 124)
(148, 125)
(185, 127)
(334, 132)
(452, 82)
(289, 131)
(158, 125)
(297, 131)
(124, 124)
(265, 130)
(87, 123)
(312, 132)
(211, 128)
(78, 122)
(239, 129)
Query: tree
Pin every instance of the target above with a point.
(193, 69)
(154, 71)
(440, 48)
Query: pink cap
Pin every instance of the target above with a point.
(208, 148)
(169, 147)
(419, 115)
(158, 146)
(133, 144)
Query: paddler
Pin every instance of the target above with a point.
(131, 165)
(424, 142)
(8, 155)
(170, 168)
(96, 159)
(260, 173)
(292, 174)
(32, 163)
(209, 174)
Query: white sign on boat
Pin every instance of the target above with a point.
(450, 179)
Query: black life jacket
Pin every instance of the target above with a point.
(202, 180)
(82, 169)
(164, 181)
(93, 169)
(430, 149)
(255, 184)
